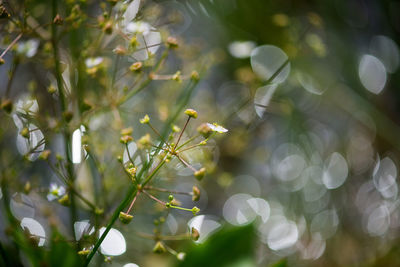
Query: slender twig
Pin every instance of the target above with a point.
(187, 164)
(154, 198)
(167, 190)
(157, 133)
(180, 135)
(129, 154)
(11, 45)
(133, 202)
(188, 141)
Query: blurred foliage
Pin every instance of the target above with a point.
(230, 246)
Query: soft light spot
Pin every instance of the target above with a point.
(384, 174)
(262, 98)
(309, 83)
(83, 228)
(114, 244)
(335, 171)
(204, 225)
(378, 221)
(372, 74)
(325, 223)
(237, 210)
(387, 51)
(22, 206)
(28, 48)
(93, 62)
(287, 162)
(77, 146)
(33, 145)
(241, 49)
(132, 148)
(260, 207)
(35, 229)
(282, 235)
(266, 60)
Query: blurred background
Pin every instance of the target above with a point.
(307, 174)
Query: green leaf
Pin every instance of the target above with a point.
(231, 246)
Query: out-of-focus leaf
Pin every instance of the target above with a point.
(228, 247)
(62, 254)
(280, 263)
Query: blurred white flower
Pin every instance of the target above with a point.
(28, 48)
(138, 27)
(93, 62)
(217, 128)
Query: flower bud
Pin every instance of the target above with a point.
(2, 61)
(24, 132)
(195, 193)
(200, 174)
(133, 42)
(172, 42)
(195, 76)
(64, 200)
(136, 67)
(27, 187)
(195, 235)
(175, 129)
(45, 154)
(108, 27)
(120, 50)
(84, 252)
(7, 105)
(204, 130)
(195, 210)
(144, 141)
(4, 13)
(51, 89)
(170, 197)
(68, 116)
(58, 20)
(98, 211)
(132, 171)
(126, 139)
(177, 77)
(125, 218)
(145, 119)
(191, 113)
(127, 131)
(86, 105)
(159, 248)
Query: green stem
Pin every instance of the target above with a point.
(188, 141)
(63, 104)
(131, 193)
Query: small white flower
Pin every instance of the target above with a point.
(138, 27)
(28, 48)
(55, 191)
(93, 62)
(217, 128)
